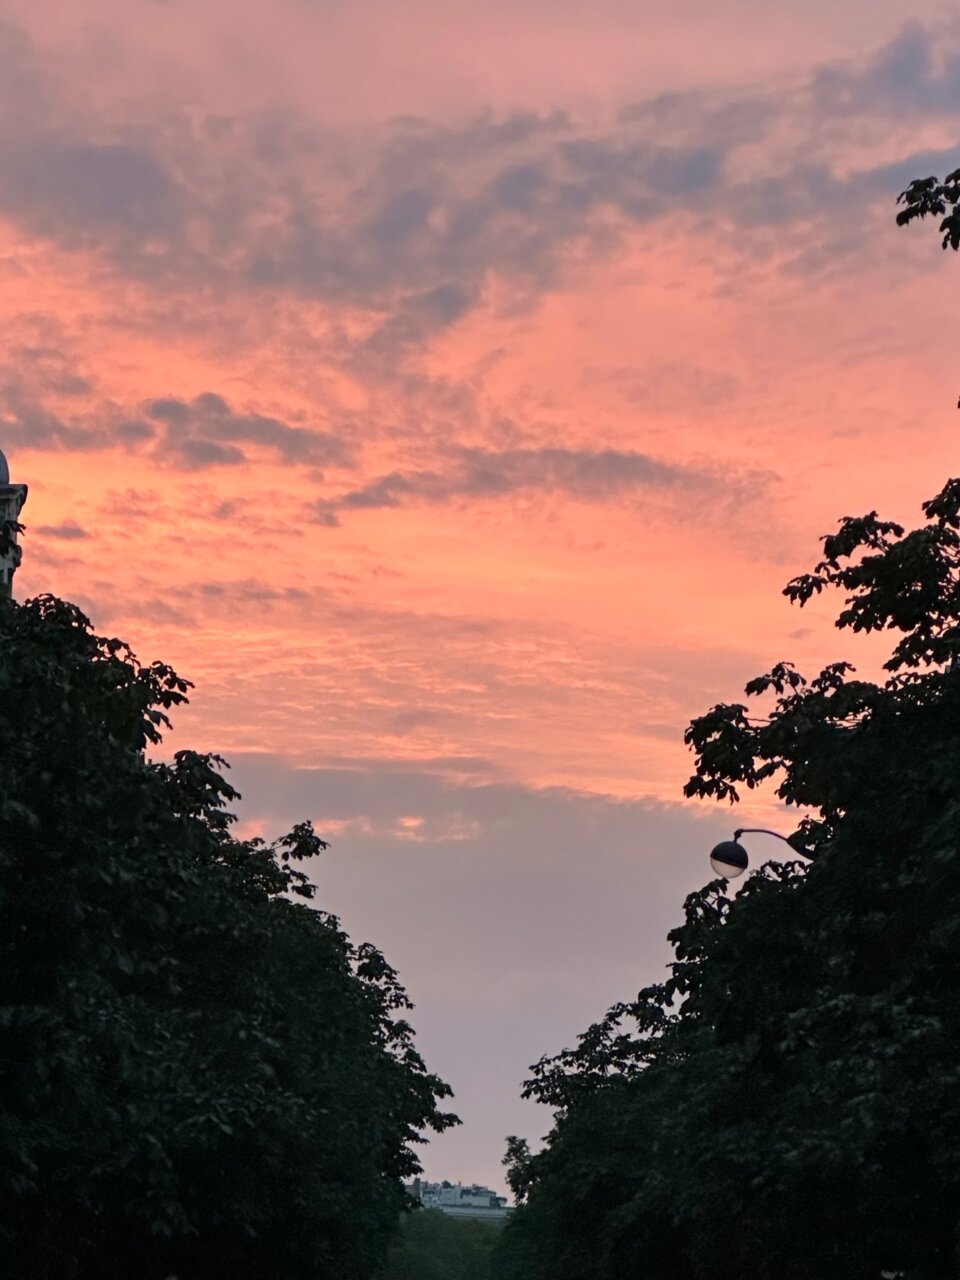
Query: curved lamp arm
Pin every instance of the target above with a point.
(765, 831)
(729, 858)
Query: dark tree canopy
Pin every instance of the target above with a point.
(200, 1075)
(787, 1103)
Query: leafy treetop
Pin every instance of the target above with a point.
(200, 1074)
(822, 734)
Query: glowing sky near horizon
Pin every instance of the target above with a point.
(449, 389)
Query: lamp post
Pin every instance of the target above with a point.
(729, 858)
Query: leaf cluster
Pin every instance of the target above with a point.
(926, 197)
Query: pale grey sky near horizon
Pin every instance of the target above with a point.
(515, 917)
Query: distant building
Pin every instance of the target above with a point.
(12, 498)
(460, 1201)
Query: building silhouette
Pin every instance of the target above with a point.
(12, 498)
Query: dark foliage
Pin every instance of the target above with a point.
(930, 197)
(435, 1246)
(517, 1164)
(787, 1103)
(200, 1075)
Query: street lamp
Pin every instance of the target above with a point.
(729, 858)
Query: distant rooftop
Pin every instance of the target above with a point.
(458, 1201)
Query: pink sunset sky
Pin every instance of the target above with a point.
(449, 389)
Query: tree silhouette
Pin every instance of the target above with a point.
(200, 1075)
(786, 1104)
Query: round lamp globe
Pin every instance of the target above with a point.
(729, 859)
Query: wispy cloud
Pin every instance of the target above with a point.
(429, 213)
(207, 430)
(584, 474)
(68, 531)
(189, 435)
